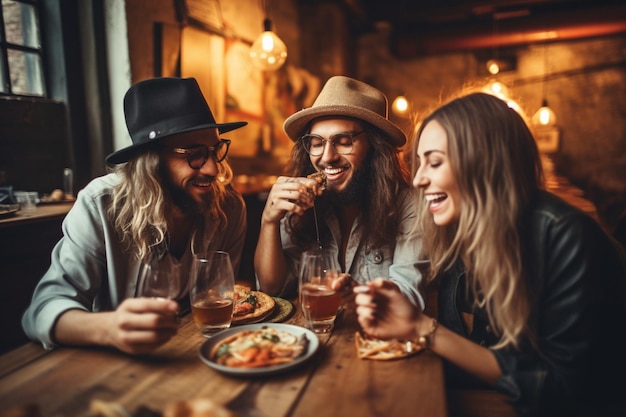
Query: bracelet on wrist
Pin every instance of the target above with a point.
(426, 340)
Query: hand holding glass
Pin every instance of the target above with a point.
(319, 302)
(211, 292)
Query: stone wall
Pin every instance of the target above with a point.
(584, 83)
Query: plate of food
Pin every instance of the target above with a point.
(384, 350)
(251, 306)
(259, 349)
(8, 210)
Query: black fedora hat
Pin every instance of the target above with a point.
(161, 107)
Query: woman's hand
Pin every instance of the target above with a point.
(290, 194)
(384, 312)
(140, 325)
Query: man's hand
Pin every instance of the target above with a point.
(290, 194)
(140, 325)
(344, 285)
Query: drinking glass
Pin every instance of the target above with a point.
(211, 292)
(319, 302)
(158, 281)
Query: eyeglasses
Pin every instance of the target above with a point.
(197, 155)
(342, 142)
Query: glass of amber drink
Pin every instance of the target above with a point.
(319, 302)
(211, 292)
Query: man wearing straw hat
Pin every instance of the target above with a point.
(168, 196)
(364, 212)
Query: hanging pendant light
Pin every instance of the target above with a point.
(268, 52)
(544, 117)
(493, 66)
(400, 106)
(495, 87)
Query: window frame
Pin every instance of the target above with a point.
(8, 89)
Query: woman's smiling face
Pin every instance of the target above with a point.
(435, 175)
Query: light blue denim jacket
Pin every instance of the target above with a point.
(400, 263)
(89, 269)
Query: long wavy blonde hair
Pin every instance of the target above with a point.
(140, 203)
(496, 164)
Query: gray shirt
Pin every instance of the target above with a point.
(91, 271)
(399, 263)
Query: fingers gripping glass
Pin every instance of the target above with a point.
(342, 142)
(197, 155)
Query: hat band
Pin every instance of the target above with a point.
(173, 125)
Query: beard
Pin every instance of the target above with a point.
(181, 198)
(355, 192)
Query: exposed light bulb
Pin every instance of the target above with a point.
(400, 106)
(493, 67)
(544, 116)
(497, 89)
(268, 52)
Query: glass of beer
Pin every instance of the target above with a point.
(319, 302)
(211, 292)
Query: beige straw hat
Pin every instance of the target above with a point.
(346, 97)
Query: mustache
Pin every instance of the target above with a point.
(204, 180)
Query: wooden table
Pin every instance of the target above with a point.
(42, 212)
(65, 381)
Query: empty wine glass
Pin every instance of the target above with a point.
(158, 280)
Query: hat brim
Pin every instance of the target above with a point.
(125, 154)
(296, 124)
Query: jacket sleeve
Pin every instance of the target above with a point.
(76, 273)
(408, 262)
(576, 275)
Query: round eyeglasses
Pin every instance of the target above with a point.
(342, 143)
(197, 155)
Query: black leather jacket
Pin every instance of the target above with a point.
(578, 277)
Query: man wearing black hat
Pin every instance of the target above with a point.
(168, 196)
(363, 211)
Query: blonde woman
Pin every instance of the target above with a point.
(530, 289)
(167, 197)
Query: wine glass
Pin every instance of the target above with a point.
(158, 280)
(318, 300)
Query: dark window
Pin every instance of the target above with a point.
(21, 63)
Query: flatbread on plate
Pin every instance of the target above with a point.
(251, 306)
(384, 350)
(283, 310)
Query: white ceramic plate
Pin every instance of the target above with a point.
(313, 345)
